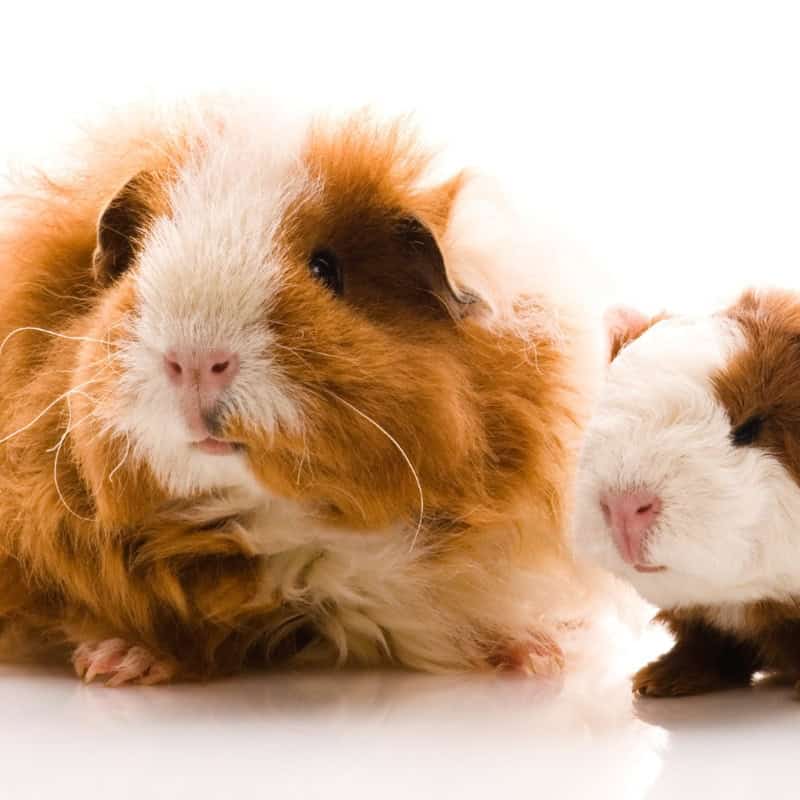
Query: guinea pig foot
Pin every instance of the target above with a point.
(674, 678)
(537, 655)
(119, 663)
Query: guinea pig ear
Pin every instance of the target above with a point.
(121, 226)
(420, 232)
(425, 258)
(624, 325)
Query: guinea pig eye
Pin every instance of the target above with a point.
(324, 266)
(747, 432)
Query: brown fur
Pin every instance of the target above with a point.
(703, 659)
(491, 436)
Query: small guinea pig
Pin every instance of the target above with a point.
(689, 487)
(272, 393)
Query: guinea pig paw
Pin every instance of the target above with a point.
(538, 655)
(119, 663)
(667, 678)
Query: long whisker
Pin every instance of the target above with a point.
(298, 353)
(58, 447)
(303, 459)
(402, 453)
(74, 390)
(123, 321)
(49, 333)
(70, 427)
(103, 361)
(122, 460)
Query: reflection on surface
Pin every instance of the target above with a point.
(311, 734)
(735, 744)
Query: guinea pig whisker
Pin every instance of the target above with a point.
(122, 460)
(402, 453)
(304, 459)
(70, 427)
(298, 350)
(85, 301)
(109, 354)
(31, 423)
(49, 333)
(71, 370)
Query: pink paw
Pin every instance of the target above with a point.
(120, 663)
(538, 655)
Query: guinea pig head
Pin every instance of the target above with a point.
(280, 318)
(688, 478)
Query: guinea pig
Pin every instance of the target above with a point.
(273, 392)
(688, 487)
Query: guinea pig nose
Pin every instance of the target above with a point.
(210, 371)
(631, 515)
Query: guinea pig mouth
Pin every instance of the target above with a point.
(648, 568)
(216, 447)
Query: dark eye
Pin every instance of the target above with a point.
(747, 432)
(324, 266)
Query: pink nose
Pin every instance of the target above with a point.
(631, 516)
(207, 371)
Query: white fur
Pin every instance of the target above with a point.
(727, 532)
(204, 280)
(379, 596)
(492, 251)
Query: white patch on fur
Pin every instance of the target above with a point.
(728, 617)
(728, 530)
(359, 588)
(204, 280)
(374, 598)
(531, 286)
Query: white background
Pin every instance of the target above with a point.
(661, 138)
(660, 141)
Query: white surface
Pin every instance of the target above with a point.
(388, 735)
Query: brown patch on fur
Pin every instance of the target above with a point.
(125, 220)
(704, 659)
(762, 380)
(708, 656)
(365, 208)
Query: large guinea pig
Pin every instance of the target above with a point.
(270, 393)
(688, 487)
